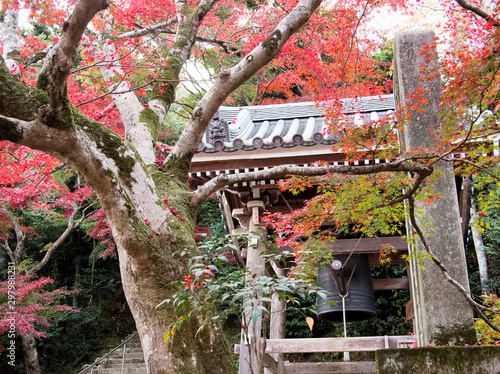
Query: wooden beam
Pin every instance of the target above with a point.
(367, 245)
(329, 367)
(260, 158)
(324, 345)
(410, 310)
(227, 212)
(358, 344)
(363, 245)
(391, 284)
(464, 207)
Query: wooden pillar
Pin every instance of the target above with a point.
(250, 342)
(278, 321)
(442, 314)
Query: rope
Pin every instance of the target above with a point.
(354, 248)
(346, 354)
(356, 263)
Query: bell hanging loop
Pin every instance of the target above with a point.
(337, 273)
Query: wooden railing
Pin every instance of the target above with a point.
(358, 344)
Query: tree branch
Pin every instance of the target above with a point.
(476, 306)
(415, 186)
(10, 37)
(20, 238)
(221, 43)
(122, 93)
(477, 166)
(5, 247)
(288, 170)
(14, 129)
(481, 12)
(230, 79)
(58, 63)
(149, 30)
(72, 225)
(352, 40)
(189, 21)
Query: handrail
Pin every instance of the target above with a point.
(98, 361)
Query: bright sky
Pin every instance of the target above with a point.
(428, 16)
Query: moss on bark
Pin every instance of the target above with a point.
(179, 166)
(17, 99)
(271, 42)
(168, 81)
(110, 144)
(151, 120)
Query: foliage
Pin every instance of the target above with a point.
(101, 231)
(103, 320)
(209, 215)
(485, 334)
(486, 189)
(343, 204)
(126, 66)
(208, 290)
(486, 192)
(27, 301)
(312, 64)
(42, 207)
(25, 177)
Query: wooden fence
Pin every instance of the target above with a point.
(358, 344)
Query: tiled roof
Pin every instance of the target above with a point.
(284, 125)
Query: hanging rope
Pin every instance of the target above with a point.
(355, 264)
(337, 276)
(354, 248)
(346, 354)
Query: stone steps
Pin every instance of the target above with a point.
(132, 364)
(126, 370)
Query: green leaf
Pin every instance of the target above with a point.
(166, 301)
(254, 315)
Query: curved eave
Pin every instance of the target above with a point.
(259, 158)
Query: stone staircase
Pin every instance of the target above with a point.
(119, 360)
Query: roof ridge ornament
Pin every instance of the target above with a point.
(217, 132)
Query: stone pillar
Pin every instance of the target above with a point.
(442, 314)
(250, 343)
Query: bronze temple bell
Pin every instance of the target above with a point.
(349, 276)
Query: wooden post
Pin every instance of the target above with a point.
(278, 322)
(442, 315)
(251, 336)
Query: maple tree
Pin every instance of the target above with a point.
(117, 66)
(33, 183)
(27, 308)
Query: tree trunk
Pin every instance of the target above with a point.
(188, 352)
(482, 260)
(155, 252)
(30, 354)
(76, 285)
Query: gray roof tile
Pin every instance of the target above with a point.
(285, 125)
